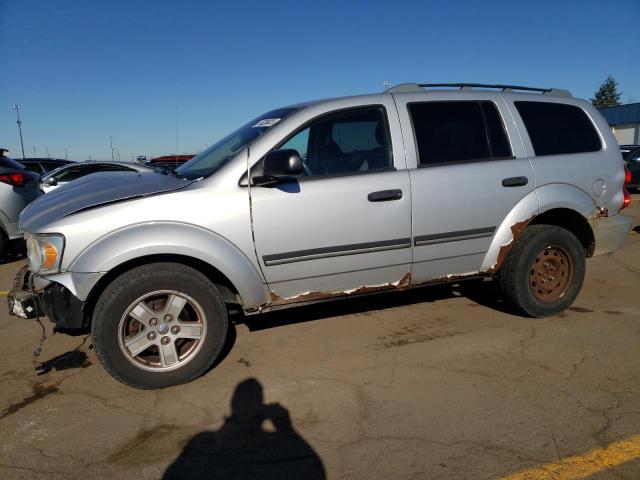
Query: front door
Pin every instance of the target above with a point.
(345, 224)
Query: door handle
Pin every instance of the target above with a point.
(384, 195)
(515, 182)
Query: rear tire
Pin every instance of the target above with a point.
(544, 271)
(159, 325)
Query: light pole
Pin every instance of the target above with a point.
(19, 122)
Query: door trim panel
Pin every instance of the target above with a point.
(335, 251)
(453, 236)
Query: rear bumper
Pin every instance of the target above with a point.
(610, 233)
(55, 301)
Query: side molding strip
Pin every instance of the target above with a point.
(453, 236)
(336, 251)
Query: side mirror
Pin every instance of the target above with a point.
(282, 163)
(52, 182)
(279, 164)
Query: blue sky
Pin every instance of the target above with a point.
(85, 70)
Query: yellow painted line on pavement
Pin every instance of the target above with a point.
(585, 465)
(4, 292)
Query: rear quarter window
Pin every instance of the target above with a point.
(556, 128)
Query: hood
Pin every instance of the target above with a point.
(94, 191)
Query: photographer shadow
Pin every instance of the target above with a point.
(242, 448)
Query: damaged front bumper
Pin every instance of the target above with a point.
(31, 297)
(23, 302)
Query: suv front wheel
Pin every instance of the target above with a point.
(544, 271)
(159, 325)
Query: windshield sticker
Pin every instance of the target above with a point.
(266, 123)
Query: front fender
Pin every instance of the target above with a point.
(162, 238)
(540, 200)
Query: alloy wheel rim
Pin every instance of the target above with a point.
(550, 274)
(162, 330)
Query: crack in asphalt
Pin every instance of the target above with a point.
(35, 470)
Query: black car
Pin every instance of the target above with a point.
(632, 157)
(43, 165)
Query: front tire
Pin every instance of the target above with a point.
(159, 325)
(544, 271)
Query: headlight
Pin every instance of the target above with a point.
(44, 252)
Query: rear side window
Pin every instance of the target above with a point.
(555, 128)
(449, 132)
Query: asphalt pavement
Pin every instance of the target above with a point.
(434, 383)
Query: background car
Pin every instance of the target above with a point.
(44, 165)
(632, 157)
(625, 149)
(68, 173)
(18, 188)
(168, 163)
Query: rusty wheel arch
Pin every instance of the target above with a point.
(560, 217)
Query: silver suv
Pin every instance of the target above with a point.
(327, 199)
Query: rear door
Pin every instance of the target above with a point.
(466, 175)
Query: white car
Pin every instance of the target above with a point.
(67, 173)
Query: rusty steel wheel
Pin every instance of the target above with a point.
(543, 273)
(551, 274)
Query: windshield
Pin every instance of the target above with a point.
(213, 158)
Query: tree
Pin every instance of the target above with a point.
(607, 95)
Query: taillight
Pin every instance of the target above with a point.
(15, 179)
(626, 195)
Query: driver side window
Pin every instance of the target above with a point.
(349, 141)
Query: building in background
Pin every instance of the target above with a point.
(624, 121)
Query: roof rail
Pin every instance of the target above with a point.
(414, 87)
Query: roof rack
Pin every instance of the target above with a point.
(414, 87)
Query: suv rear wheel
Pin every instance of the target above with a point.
(159, 325)
(544, 271)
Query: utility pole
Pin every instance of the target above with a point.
(35, 155)
(66, 153)
(19, 122)
(176, 118)
(111, 142)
